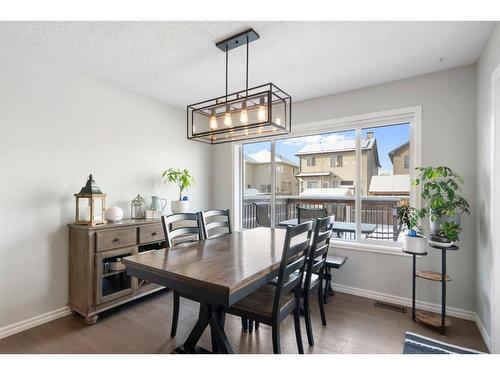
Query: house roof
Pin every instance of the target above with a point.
(336, 146)
(396, 183)
(264, 157)
(392, 152)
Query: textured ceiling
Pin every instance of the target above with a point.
(177, 62)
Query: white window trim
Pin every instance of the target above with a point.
(412, 115)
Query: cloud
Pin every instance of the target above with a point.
(315, 139)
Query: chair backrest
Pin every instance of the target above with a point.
(305, 214)
(293, 260)
(211, 220)
(187, 225)
(323, 229)
(262, 214)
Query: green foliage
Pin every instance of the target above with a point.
(411, 218)
(441, 191)
(450, 231)
(182, 178)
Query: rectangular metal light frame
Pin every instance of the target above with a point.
(275, 96)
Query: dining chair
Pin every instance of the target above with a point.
(212, 220)
(269, 304)
(315, 269)
(305, 213)
(180, 229)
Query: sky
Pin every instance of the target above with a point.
(388, 138)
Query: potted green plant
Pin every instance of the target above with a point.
(410, 218)
(443, 202)
(184, 180)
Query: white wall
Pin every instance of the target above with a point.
(57, 126)
(448, 138)
(489, 60)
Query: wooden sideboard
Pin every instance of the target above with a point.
(92, 287)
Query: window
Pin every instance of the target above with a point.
(311, 161)
(336, 161)
(374, 177)
(312, 184)
(406, 162)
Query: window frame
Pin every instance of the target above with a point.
(312, 159)
(411, 115)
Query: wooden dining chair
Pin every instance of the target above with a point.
(272, 304)
(181, 228)
(315, 269)
(212, 222)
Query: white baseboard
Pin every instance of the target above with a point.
(33, 322)
(484, 333)
(403, 301)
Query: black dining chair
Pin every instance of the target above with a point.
(272, 304)
(213, 220)
(306, 213)
(315, 270)
(179, 229)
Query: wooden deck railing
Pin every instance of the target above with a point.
(381, 211)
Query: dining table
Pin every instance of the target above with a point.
(215, 272)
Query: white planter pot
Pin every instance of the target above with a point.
(179, 206)
(414, 244)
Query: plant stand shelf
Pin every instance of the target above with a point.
(432, 275)
(432, 319)
(435, 320)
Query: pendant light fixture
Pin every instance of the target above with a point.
(260, 111)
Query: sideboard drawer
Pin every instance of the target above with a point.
(114, 239)
(151, 233)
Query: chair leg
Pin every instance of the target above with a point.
(175, 315)
(307, 317)
(298, 336)
(244, 325)
(256, 326)
(250, 326)
(321, 306)
(276, 338)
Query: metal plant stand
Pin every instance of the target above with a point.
(435, 320)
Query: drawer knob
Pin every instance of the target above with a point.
(154, 233)
(116, 240)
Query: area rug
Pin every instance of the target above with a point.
(417, 344)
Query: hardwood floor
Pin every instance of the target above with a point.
(355, 325)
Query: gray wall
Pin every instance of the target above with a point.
(57, 126)
(489, 60)
(448, 137)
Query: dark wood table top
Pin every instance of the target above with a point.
(218, 271)
(338, 226)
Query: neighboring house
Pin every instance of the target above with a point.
(399, 182)
(400, 159)
(332, 165)
(257, 173)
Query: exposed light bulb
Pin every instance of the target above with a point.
(228, 121)
(261, 114)
(244, 113)
(213, 120)
(278, 121)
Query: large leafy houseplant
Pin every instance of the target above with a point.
(444, 203)
(182, 178)
(411, 219)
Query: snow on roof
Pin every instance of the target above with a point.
(313, 174)
(325, 192)
(264, 157)
(395, 183)
(336, 146)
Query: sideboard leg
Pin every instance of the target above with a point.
(90, 320)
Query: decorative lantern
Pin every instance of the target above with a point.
(137, 207)
(90, 204)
